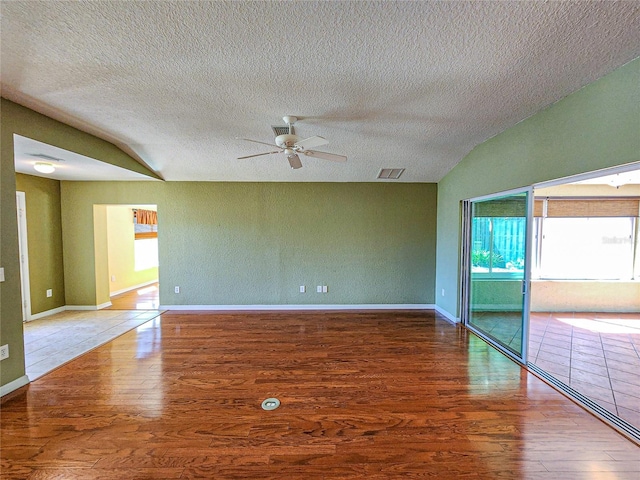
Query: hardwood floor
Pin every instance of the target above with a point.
(373, 395)
(145, 298)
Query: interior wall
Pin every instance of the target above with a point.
(594, 128)
(256, 243)
(44, 235)
(15, 119)
(11, 333)
(585, 296)
(121, 251)
(100, 258)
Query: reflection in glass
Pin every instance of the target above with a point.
(498, 247)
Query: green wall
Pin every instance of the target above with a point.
(11, 368)
(256, 243)
(44, 235)
(15, 119)
(593, 128)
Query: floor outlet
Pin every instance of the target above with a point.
(4, 352)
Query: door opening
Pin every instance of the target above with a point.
(495, 285)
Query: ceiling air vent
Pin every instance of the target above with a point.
(281, 130)
(390, 173)
(46, 157)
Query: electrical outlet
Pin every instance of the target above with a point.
(443, 292)
(319, 289)
(113, 278)
(325, 289)
(176, 289)
(49, 293)
(1, 274)
(303, 289)
(4, 352)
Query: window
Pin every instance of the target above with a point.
(146, 253)
(498, 249)
(145, 224)
(586, 248)
(580, 239)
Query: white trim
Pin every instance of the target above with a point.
(588, 175)
(14, 385)
(23, 253)
(46, 313)
(498, 195)
(128, 289)
(365, 306)
(447, 315)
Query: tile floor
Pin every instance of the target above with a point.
(597, 354)
(54, 340)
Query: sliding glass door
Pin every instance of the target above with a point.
(495, 289)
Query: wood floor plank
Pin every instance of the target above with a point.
(373, 395)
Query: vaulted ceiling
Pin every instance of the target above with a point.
(395, 84)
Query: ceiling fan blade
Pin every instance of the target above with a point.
(256, 141)
(325, 156)
(294, 161)
(259, 154)
(311, 142)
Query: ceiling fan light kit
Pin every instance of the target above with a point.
(291, 145)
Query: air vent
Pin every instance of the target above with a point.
(281, 130)
(46, 157)
(390, 173)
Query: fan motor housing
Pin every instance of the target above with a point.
(288, 140)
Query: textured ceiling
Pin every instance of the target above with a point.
(389, 84)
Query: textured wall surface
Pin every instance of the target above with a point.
(596, 127)
(10, 310)
(256, 243)
(44, 233)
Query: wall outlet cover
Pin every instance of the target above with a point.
(4, 352)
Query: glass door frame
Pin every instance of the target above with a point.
(465, 270)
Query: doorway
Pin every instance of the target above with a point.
(126, 255)
(496, 270)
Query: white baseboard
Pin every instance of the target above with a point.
(47, 313)
(447, 315)
(12, 386)
(365, 306)
(135, 287)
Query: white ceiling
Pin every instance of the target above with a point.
(68, 165)
(407, 84)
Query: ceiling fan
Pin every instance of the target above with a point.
(292, 145)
